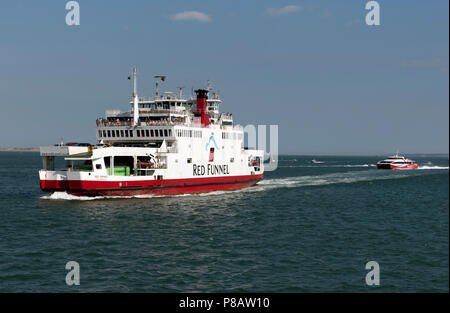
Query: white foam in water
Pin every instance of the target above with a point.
(324, 166)
(62, 195)
(427, 167)
(335, 178)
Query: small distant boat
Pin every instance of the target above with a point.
(316, 162)
(397, 162)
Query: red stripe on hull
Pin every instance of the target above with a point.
(159, 187)
(54, 185)
(393, 167)
(409, 166)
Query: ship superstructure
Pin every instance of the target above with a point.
(165, 144)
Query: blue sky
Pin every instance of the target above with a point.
(333, 84)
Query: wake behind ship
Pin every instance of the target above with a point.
(166, 144)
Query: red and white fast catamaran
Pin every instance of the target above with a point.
(397, 162)
(166, 144)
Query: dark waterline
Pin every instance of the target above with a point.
(305, 228)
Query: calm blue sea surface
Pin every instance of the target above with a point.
(305, 228)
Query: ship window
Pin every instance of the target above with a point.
(98, 166)
(152, 134)
(107, 161)
(121, 133)
(138, 133)
(165, 133)
(189, 160)
(126, 132)
(170, 133)
(146, 133)
(109, 133)
(99, 133)
(104, 133)
(131, 133)
(161, 133)
(232, 160)
(117, 133)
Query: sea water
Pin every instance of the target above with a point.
(305, 228)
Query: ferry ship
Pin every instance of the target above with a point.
(397, 162)
(166, 144)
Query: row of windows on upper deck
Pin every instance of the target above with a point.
(160, 105)
(129, 133)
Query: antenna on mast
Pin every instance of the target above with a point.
(158, 77)
(135, 98)
(134, 81)
(181, 91)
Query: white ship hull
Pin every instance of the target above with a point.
(187, 167)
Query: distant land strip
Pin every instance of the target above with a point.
(19, 149)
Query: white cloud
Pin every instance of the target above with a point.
(282, 11)
(191, 16)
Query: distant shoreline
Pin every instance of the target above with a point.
(19, 149)
(281, 154)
